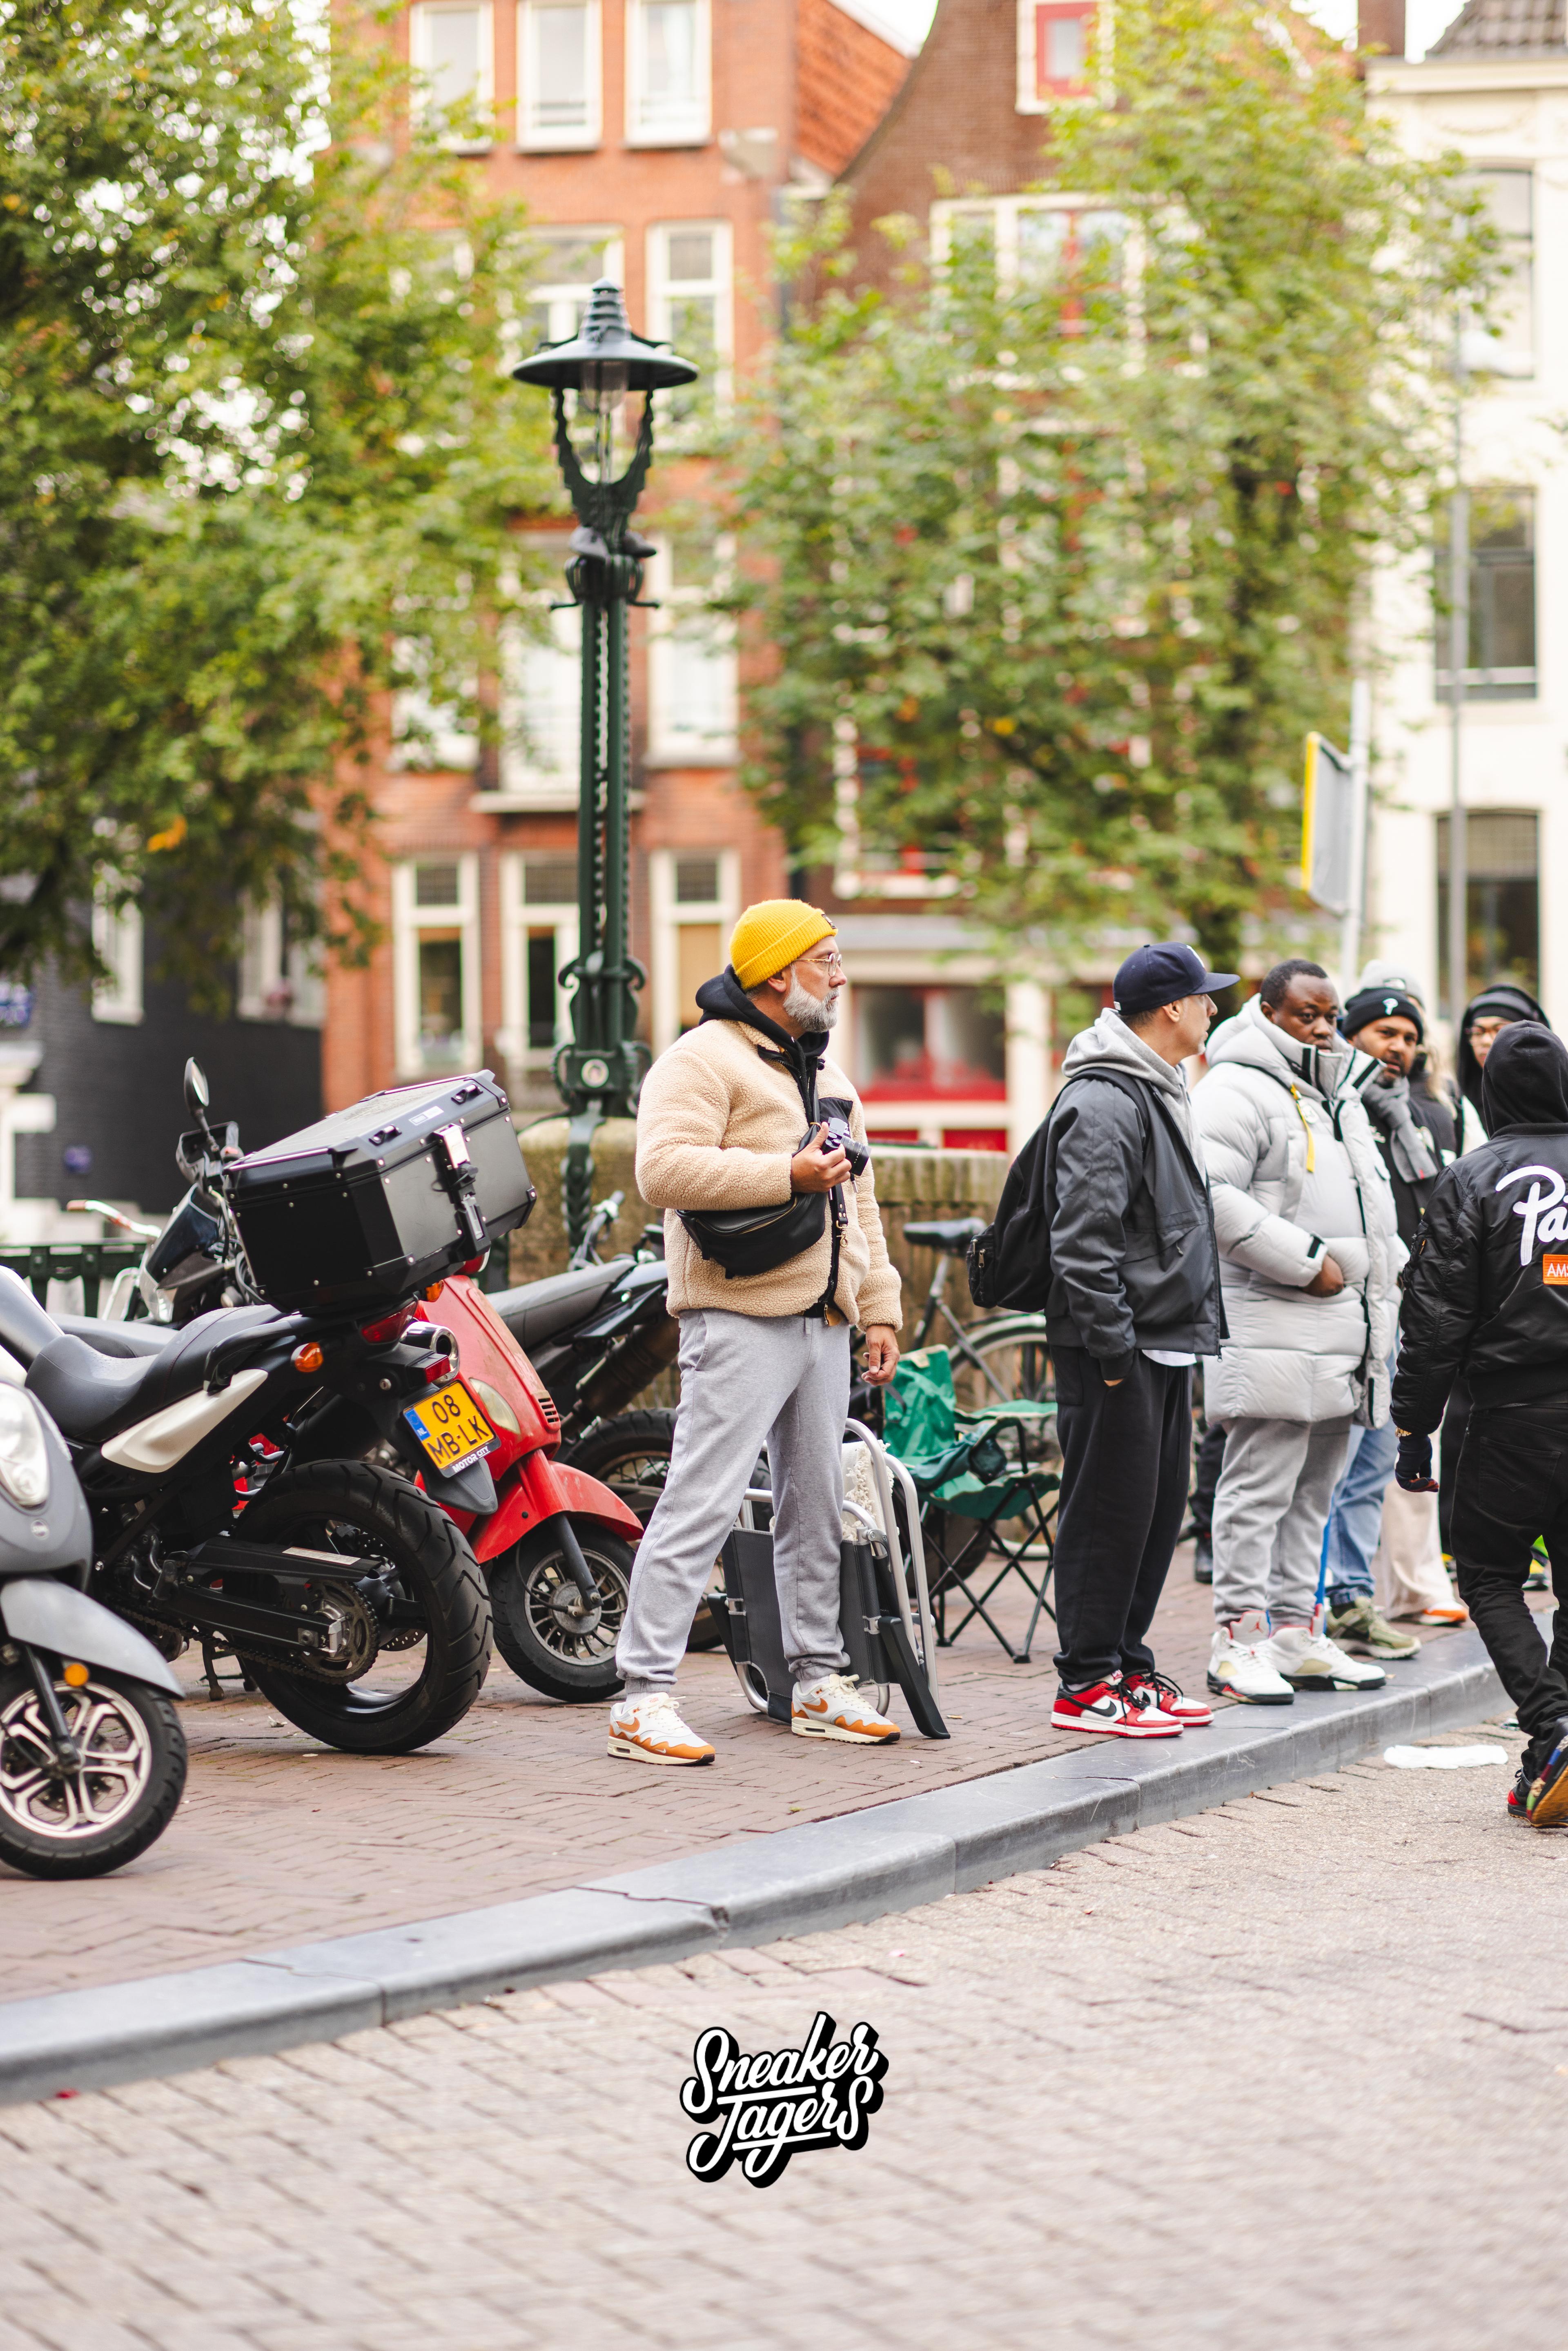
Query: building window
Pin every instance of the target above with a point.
(1059, 42)
(117, 936)
(1509, 202)
(568, 261)
(694, 902)
(558, 74)
(922, 1052)
(667, 78)
(435, 953)
(451, 47)
(541, 713)
(279, 977)
(690, 305)
(538, 939)
(692, 683)
(427, 736)
(1031, 240)
(1500, 591)
(1503, 900)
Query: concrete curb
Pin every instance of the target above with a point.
(888, 1857)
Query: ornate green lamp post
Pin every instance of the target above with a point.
(599, 1072)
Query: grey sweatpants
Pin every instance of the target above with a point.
(747, 1381)
(1269, 1510)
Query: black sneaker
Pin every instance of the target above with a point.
(1548, 1799)
(1203, 1561)
(1518, 1796)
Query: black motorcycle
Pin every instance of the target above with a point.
(92, 1757)
(223, 1512)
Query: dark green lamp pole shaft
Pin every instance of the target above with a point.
(600, 1071)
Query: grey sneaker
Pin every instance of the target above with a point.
(1363, 1629)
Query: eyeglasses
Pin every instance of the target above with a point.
(829, 964)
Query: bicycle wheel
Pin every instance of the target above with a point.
(1005, 1362)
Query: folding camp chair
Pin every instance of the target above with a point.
(985, 1494)
(887, 1639)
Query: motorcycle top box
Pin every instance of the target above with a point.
(375, 1202)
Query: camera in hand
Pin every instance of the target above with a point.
(837, 1135)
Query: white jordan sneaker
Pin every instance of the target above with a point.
(1239, 1665)
(1306, 1658)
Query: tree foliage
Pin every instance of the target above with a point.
(1072, 546)
(257, 446)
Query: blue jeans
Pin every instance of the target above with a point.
(1355, 1513)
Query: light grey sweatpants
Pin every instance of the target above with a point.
(1270, 1508)
(747, 1381)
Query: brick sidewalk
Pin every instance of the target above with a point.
(279, 1841)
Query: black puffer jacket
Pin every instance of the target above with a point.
(1485, 1289)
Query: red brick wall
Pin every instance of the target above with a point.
(956, 116)
(847, 77)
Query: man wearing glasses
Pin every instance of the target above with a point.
(753, 1142)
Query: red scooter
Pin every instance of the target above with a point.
(557, 1548)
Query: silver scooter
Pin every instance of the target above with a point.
(92, 1757)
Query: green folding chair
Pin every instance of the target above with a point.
(986, 1490)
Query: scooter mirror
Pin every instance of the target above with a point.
(198, 1093)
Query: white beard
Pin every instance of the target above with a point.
(801, 1007)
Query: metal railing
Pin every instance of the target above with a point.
(92, 1263)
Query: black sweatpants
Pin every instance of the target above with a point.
(1125, 1455)
(1513, 1484)
(1453, 1445)
(1206, 1471)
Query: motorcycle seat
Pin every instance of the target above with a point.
(539, 1309)
(91, 1396)
(122, 1339)
(950, 1234)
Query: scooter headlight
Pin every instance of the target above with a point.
(24, 1457)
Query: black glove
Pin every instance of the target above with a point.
(1412, 1469)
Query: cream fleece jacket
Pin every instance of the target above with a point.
(716, 1128)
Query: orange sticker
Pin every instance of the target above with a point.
(1554, 1269)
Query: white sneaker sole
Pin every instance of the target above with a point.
(1115, 1730)
(629, 1750)
(1249, 1698)
(803, 1729)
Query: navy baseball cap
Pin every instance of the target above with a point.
(1154, 976)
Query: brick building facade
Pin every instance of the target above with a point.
(654, 141)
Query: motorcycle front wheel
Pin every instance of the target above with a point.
(56, 1821)
(543, 1631)
(431, 1666)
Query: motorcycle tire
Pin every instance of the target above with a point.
(541, 1626)
(113, 1812)
(622, 1452)
(353, 1506)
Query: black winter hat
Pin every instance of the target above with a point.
(1512, 1004)
(1381, 1004)
(1525, 1080)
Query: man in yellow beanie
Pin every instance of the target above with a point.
(753, 1142)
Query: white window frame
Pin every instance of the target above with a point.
(1028, 99)
(668, 918)
(453, 750)
(665, 292)
(267, 970)
(668, 748)
(545, 138)
(420, 18)
(518, 917)
(1003, 212)
(697, 129)
(117, 936)
(409, 924)
(852, 879)
(565, 298)
(525, 786)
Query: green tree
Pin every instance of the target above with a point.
(1072, 543)
(258, 452)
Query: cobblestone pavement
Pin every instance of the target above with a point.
(1294, 2070)
(280, 1841)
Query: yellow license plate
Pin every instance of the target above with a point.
(451, 1427)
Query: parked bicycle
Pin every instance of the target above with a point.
(1003, 1358)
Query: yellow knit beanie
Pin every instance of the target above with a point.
(770, 937)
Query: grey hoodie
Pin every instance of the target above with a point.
(1110, 1044)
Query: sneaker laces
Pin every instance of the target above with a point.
(660, 1705)
(842, 1686)
(1162, 1685)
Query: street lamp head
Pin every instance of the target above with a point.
(604, 359)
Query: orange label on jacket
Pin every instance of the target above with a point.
(1554, 1271)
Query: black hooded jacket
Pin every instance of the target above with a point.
(1512, 1004)
(1485, 1289)
(724, 999)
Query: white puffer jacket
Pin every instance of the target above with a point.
(1296, 1174)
